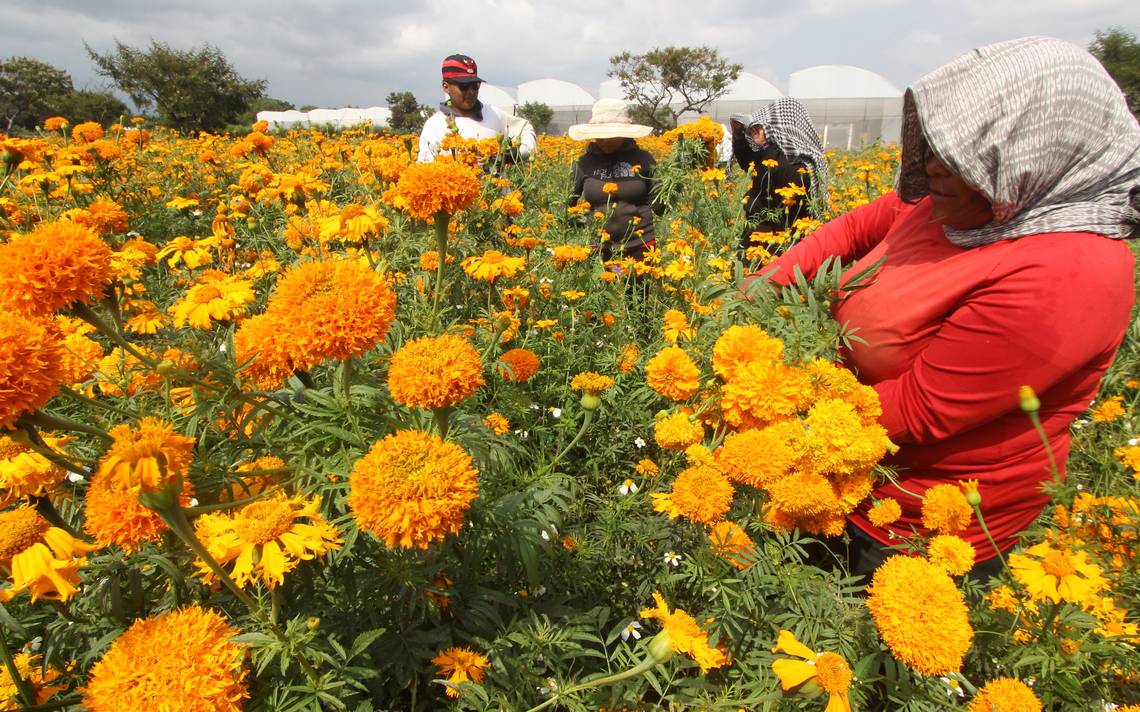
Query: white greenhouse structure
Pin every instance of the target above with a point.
(851, 107)
(570, 102)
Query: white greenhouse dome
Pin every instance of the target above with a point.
(850, 106)
(498, 97)
(571, 103)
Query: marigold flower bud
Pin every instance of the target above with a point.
(591, 401)
(1029, 400)
(660, 648)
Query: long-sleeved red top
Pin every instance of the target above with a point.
(952, 333)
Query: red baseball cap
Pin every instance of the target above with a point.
(461, 69)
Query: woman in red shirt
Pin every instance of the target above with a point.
(1002, 266)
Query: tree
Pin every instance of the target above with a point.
(538, 114)
(85, 105)
(667, 82)
(192, 90)
(1119, 52)
(408, 115)
(30, 91)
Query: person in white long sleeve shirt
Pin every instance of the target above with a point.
(470, 118)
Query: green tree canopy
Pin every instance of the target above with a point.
(1119, 52)
(408, 115)
(86, 105)
(192, 90)
(265, 103)
(666, 82)
(30, 91)
(538, 114)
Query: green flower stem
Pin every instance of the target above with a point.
(587, 418)
(640, 669)
(88, 315)
(23, 688)
(62, 703)
(47, 510)
(36, 443)
(964, 682)
(1033, 418)
(48, 421)
(986, 531)
(442, 420)
(96, 403)
(441, 221)
(175, 518)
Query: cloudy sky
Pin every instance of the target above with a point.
(353, 52)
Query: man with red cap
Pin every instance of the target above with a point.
(464, 114)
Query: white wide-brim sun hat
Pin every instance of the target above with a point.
(609, 119)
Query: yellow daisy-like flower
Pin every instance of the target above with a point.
(115, 516)
(684, 636)
(677, 431)
(143, 670)
(435, 372)
(1109, 410)
(829, 671)
(920, 614)
(460, 665)
(56, 264)
(591, 382)
(952, 553)
(442, 186)
(216, 297)
(26, 473)
(739, 346)
(412, 489)
(146, 319)
(763, 456)
(497, 424)
(673, 374)
(700, 493)
(32, 672)
(1005, 695)
(1057, 574)
(677, 327)
(43, 560)
(884, 512)
(492, 265)
(732, 544)
(945, 509)
(266, 539)
(31, 365)
(147, 458)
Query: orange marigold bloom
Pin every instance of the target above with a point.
(1005, 695)
(1109, 410)
(677, 432)
(426, 189)
(627, 359)
(804, 494)
(518, 365)
(591, 382)
(30, 668)
(115, 516)
(429, 260)
(683, 635)
(742, 345)
(920, 614)
(102, 215)
(647, 467)
(142, 670)
(945, 509)
(764, 392)
(435, 372)
(829, 671)
(41, 559)
(763, 456)
(884, 512)
(56, 264)
(55, 123)
(460, 665)
(677, 327)
(673, 374)
(87, 132)
(31, 365)
(148, 458)
(701, 493)
(497, 424)
(732, 544)
(569, 254)
(412, 489)
(952, 553)
(81, 355)
(838, 442)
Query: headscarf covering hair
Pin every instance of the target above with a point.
(1039, 128)
(787, 124)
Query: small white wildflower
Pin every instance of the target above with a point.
(634, 629)
(672, 557)
(556, 412)
(1030, 680)
(540, 590)
(193, 501)
(34, 644)
(545, 535)
(952, 687)
(222, 348)
(639, 442)
(196, 213)
(1133, 441)
(628, 487)
(523, 434)
(75, 477)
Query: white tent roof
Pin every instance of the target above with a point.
(835, 81)
(498, 97)
(611, 89)
(554, 93)
(751, 87)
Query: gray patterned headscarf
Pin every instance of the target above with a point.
(787, 124)
(1039, 128)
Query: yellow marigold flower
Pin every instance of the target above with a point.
(677, 431)
(684, 636)
(647, 467)
(1109, 410)
(673, 374)
(700, 493)
(1005, 695)
(763, 456)
(492, 265)
(147, 319)
(510, 204)
(515, 298)
(148, 458)
(412, 489)
(609, 187)
(677, 327)
(838, 442)
(42, 559)
(952, 553)
(884, 512)
(945, 509)
(1003, 598)
(31, 365)
(569, 254)
(572, 295)
(115, 516)
(739, 346)
(192, 253)
(764, 392)
(216, 297)
(266, 539)
(426, 189)
(142, 670)
(102, 215)
(435, 372)
(55, 123)
(829, 671)
(31, 670)
(920, 614)
(591, 382)
(805, 494)
(1030, 403)
(81, 355)
(497, 424)
(1057, 574)
(87, 132)
(460, 665)
(831, 381)
(627, 359)
(518, 365)
(732, 544)
(55, 265)
(26, 473)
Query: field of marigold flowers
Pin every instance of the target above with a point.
(291, 422)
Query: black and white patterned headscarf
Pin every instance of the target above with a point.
(1039, 128)
(787, 124)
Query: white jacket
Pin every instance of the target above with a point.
(494, 124)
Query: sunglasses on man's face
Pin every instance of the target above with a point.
(470, 86)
